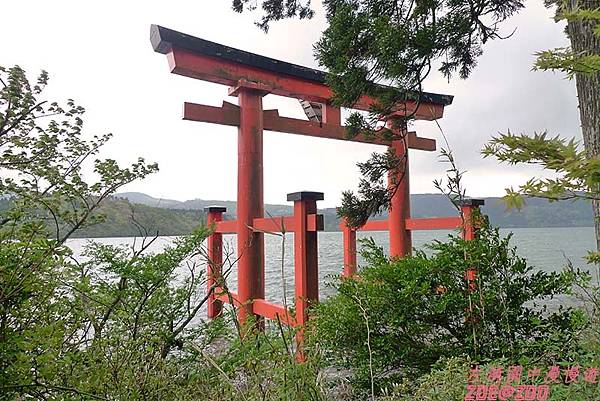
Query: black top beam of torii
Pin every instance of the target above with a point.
(238, 64)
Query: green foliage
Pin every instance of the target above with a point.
(578, 174)
(392, 42)
(420, 308)
(275, 10)
(125, 324)
(451, 186)
(262, 366)
(42, 157)
(118, 323)
(120, 218)
(43, 153)
(447, 381)
(564, 59)
(106, 325)
(373, 190)
(368, 43)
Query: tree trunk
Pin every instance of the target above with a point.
(583, 40)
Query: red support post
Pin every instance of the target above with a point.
(469, 227)
(306, 271)
(350, 264)
(332, 115)
(215, 259)
(250, 244)
(467, 207)
(400, 237)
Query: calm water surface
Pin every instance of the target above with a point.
(545, 248)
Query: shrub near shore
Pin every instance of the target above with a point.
(399, 317)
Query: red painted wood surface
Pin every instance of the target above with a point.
(434, 223)
(249, 82)
(400, 237)
(230, 298)
(468, 233)
(186, 63)
(375, 225)
(350, 263)
(228, 114)
(314, 222)
(469, 224)
(306, 261)
(227, 227)
(261, 307)
(274, 312)
(428, 223)
(250, 205)
(276, 224)
(215, 263)
(332, 115)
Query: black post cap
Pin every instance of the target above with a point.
(471, 202)
(215, 209)
(305, 195)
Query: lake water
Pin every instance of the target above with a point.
(545, 248)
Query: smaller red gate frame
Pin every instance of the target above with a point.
(305, 223)
(465, 222)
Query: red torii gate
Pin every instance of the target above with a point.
(250, 77)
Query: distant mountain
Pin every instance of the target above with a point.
(198, 204)
(125, 219)
(143, 199)
(136, 214)
(536, 213)
(128, 219)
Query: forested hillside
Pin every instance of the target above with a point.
(536, 213)
(135, 214)
(125, 219)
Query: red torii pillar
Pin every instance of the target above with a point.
(250, 244)
(214, 214)
(400, 237)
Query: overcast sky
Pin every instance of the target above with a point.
(99, 54)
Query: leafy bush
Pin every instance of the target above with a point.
(124, 324)
(43, 152)
(398, 317)
(262, 365)
(447, 381)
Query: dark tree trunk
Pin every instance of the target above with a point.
(583, 40)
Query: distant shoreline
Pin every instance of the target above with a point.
(327, 231)
(134, 215)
